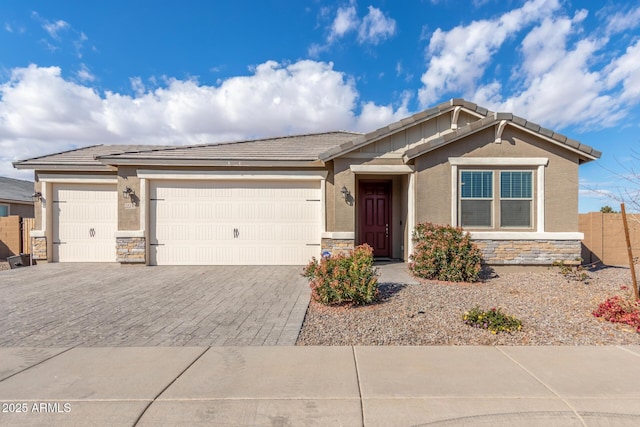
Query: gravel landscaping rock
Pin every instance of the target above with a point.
(553, 309)
(4, 265)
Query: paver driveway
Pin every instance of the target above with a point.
(61, 305)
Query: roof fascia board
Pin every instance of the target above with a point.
(393, 128)
(217, 163)
(62, 167)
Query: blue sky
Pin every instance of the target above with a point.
(77, 73)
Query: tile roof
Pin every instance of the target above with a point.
(296, 147)
(15, 189)
(85, 156)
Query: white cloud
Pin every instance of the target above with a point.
(373, 28)
(42, 112)
(376, 27)
(458, 58)
(559, 79)
(53, 28)
(624, 21)
(346, 20)
(625, 70)
(84, 74)
(8, 27)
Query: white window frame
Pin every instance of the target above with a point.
(501, 162)
(492, 199)
(531, 199)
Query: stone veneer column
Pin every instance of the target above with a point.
(39, 248)
(131, 250)
(337, 246)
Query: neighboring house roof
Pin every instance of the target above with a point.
(303, 148)
(15, 190)
(298, 150)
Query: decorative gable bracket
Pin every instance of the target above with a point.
(499, 129)
(454, 118)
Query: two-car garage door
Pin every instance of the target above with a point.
(235, 222)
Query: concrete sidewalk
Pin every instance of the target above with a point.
(321, 386)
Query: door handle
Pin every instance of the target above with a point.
(92, 232)
(236, 233)
(386, 229)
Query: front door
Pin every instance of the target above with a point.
(374, 219)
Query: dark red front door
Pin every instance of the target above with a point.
(374, 216)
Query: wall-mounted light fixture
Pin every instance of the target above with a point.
(127, 193)
(36, 196)
(345, 192)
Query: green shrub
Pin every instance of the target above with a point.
(344, 278)
(494, 320)
(442, 252)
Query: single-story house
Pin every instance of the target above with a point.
(509, 182)
(15, 197)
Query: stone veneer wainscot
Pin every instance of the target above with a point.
(529, 252)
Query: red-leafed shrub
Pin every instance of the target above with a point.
(619, 310)
(344, 278)
(446, 253)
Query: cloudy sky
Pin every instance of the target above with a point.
(78, 73)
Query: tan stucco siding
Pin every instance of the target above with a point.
(128, 209)
(398, 142)
(433, 181)
(344, 212)
(37, 206)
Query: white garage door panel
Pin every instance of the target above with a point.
(84, 222)
(195, 222)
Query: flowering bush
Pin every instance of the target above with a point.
(445, 253)
(494, 320)
(344, 278)
(619, 310)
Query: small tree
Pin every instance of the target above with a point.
(607, 209)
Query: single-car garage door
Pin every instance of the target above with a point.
(239, 222)
(85, 219)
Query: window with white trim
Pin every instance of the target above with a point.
(511, 208)
(4, 210)
(516, 199)
(476, 198)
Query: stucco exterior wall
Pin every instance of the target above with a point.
(344, 212)
(561, 176)
(128, 209)
(37, 206)
(398, 142)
